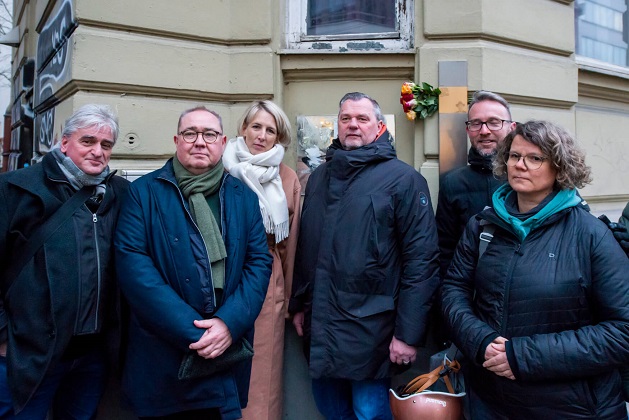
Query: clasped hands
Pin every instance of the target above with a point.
(496, 358)
(214, 341)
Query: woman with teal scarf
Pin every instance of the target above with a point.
(542, 311)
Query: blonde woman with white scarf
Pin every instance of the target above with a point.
(255, 157)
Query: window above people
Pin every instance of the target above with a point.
(349, 25)
(602, 30)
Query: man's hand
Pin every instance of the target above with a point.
(298, 322)
(401, 353)
(214, 341)
(496, 358)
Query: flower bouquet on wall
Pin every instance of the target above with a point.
(419, 100)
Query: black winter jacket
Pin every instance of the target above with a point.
(463, 192)
(366, 266)
(561, 298)
(67, 288)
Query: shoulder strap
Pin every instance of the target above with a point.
(485, 236)
(39, 237)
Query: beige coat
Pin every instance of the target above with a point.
(265, 392)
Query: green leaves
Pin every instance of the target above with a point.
(425, 100)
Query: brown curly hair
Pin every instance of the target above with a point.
(557, 144)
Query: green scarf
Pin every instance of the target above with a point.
(194, 189)
(521, 228)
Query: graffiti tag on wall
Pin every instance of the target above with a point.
(54, 55)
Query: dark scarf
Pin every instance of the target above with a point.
(479, 162)
(195, 188)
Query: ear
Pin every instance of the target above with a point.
(64, 144)
(175, 138)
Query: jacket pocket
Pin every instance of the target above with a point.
(363, 305)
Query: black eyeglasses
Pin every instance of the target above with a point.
(493, 124)
(209, 136)
(532, 162)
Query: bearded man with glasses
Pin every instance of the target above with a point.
(194, 266)
(465, 191)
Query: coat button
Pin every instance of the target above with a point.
(176, 239)
(187, 280)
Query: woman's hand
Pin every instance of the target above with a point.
(496, 358)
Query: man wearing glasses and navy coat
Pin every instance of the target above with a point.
(194, 265)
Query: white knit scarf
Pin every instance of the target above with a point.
(261, 173)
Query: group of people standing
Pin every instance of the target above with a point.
(216, 245)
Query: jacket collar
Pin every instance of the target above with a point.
(379, 150)
(479, 162)
(38, 185)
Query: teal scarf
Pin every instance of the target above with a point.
(521, 228)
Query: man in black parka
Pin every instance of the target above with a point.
(465, 191)
(366, 267)
(56, 305)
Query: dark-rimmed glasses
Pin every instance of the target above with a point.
(532, 162)
(493, 124)
(209, 136)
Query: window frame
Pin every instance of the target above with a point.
(297, 39)
(586, 61)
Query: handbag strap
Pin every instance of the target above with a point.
(39, 237)
(423, 382)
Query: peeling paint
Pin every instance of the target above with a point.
(343, 49)
(367, 45)
(321, 46)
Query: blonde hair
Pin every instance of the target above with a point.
(281, 120)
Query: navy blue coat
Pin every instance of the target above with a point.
(162, 262)
(561, 298)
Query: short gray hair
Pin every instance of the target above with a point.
(485, 95)
(200, 108)
(357, 96)
(92, 115)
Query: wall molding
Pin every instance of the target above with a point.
(537, 102)
(601, 85)
(122, 89)
(480, 36)
(308, 67)
(171, 35)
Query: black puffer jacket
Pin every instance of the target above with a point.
(562, 299)
(366, 266)
(68, 287)
(463, 192)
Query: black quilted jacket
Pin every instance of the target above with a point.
(562, 299)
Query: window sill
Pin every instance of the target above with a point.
(597, 66)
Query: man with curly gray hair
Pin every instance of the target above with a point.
(56, 277)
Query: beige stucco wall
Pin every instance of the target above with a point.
(152, 59)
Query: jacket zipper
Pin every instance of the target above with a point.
(98, 270)
(505, 303)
